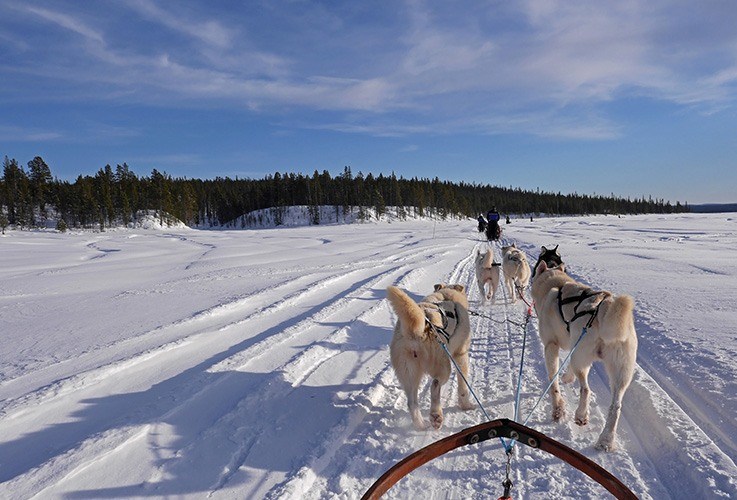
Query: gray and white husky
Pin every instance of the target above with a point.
(487, 272)
(564, 307)
(516, 270)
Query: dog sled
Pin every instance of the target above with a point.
(500, 428)
(493, 231)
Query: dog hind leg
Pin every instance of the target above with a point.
(620, 367)
(464, 395)
(410, 378)
(436, 412)
(582, 412)
(556, 399)
(509, 282)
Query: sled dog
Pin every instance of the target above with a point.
(454, 293)
(516, 271)
(415, 351)
(564, 307)
(550, 256)
(487, 272)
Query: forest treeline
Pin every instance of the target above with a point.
(114, 196)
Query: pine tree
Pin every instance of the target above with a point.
(379, 205)
(15, 184)
(39, 175)
(4, 222)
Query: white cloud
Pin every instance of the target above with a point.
(543, 67)
(66, 21)
(210, 32)
(19, 134)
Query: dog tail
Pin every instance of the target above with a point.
(409, 313)
(488, 259)
(617, 321)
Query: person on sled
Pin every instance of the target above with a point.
(493, 230)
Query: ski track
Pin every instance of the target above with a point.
(242, 370)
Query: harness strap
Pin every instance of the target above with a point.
(442, 331)
(587, 293)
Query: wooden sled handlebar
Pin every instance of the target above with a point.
(494, 429)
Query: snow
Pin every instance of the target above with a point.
(185, 363)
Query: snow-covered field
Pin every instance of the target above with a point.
(254, 364)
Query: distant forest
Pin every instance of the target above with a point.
(113, 196)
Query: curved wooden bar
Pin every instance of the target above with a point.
(495, 429)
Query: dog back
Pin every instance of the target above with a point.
(454, 293)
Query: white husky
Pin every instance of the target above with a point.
(564, 307)
(516, 271)
(487, 272)
(416, 352)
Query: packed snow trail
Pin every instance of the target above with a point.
(254, 364)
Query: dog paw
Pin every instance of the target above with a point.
(436, 420)
(466, 404)
(558, 413)
(606, 444)
(582, 420)
(420, 424)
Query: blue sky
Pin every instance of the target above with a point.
(632, 98)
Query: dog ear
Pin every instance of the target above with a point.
(541, 268)
(459, 288)
(438, 286)
(514, 245)
(556, 250)
(544, 249)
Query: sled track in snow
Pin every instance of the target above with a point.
(227, 385)
(495, 364)
(228, 358)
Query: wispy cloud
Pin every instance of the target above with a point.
(542, 67)
(66, 21)
(211, 32)
(11, 133)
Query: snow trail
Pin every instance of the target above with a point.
(255, 363)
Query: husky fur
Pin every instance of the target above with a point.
(516, 271)
(454, 293)
(416, 352)
(487, 273)
(551, 256)
(611, 338)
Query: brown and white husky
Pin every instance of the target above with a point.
(415, 351)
